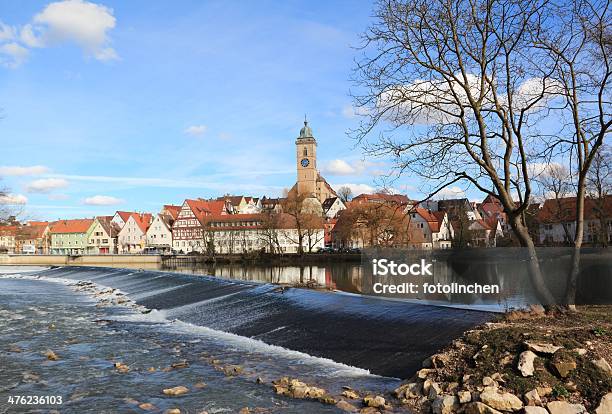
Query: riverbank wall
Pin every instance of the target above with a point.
(150, 260)
(87, 260)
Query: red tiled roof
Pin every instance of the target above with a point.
(564, 209)
(71, 226)
(172, 210)
(8, 230)
(434, 221)
(143, 220)
(125, 215)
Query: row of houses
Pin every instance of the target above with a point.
(240, 224)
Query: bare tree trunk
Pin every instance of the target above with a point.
(572, 278)
(533, 265)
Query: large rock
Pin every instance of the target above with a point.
(525, 363)
(563, 367)
(464, 397)
(531, 409)
(501, 401)
(351, 394)
(410, 390)
(445, 404)
(603, 366)
(479, 408)
(533, 398)
(563, 407)
(605, 405)
(434, 391)
(346, 406)
(375, 401)
(542, 347)
(176, 391)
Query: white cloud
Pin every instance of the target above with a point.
(438, 101)
(17, 170)
(13, 55)
(101, 200)
(74, 21)
(46, 185)
(13, 199)
(450, 193)
(341, 167)
(196, 130)
(338, 167)
(356, 189)
(78, 21)
(350, 111)
(7, 32)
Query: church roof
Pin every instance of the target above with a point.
(306, 131)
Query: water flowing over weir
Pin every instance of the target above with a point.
(388, 338)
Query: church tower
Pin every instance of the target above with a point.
(306, 160)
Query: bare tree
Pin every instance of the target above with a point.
(463, 71)
(345, 194)
(599, 189)
(576, 41)
(556, 184)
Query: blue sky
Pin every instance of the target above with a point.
(132, 104)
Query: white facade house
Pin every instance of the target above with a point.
(102, 236)
(133, 235)
(159, 234)
(436, 227)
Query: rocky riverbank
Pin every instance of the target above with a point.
(526, 362)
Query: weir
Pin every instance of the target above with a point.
(386, 337)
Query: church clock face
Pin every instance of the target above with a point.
(305, 162)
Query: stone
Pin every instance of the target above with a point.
(423, 373)
(434, 391)
(375, 401)
(603, 366)
(244, 410)
(532, 398)
(445, 404)
(544, 391)
(564, 367)
(176, 391)
(563, 407)
(232, 370)
(151, 369)
(542, 347)
(525, 363)
(409, 390)
(350, 394)
(369, 410)
(147, 406)
(506, 360)
(464, 397)
(346, 406)
(327, 399)
(172, 411)
(51, 356)
(501, 401)
(121, 367)
(179, 365)
(580, 351)
(532, 409)
(489, 382)
(605, 405)
(426, 386)
(200, 385)
(479, 408)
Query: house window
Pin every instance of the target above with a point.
(305, 152)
